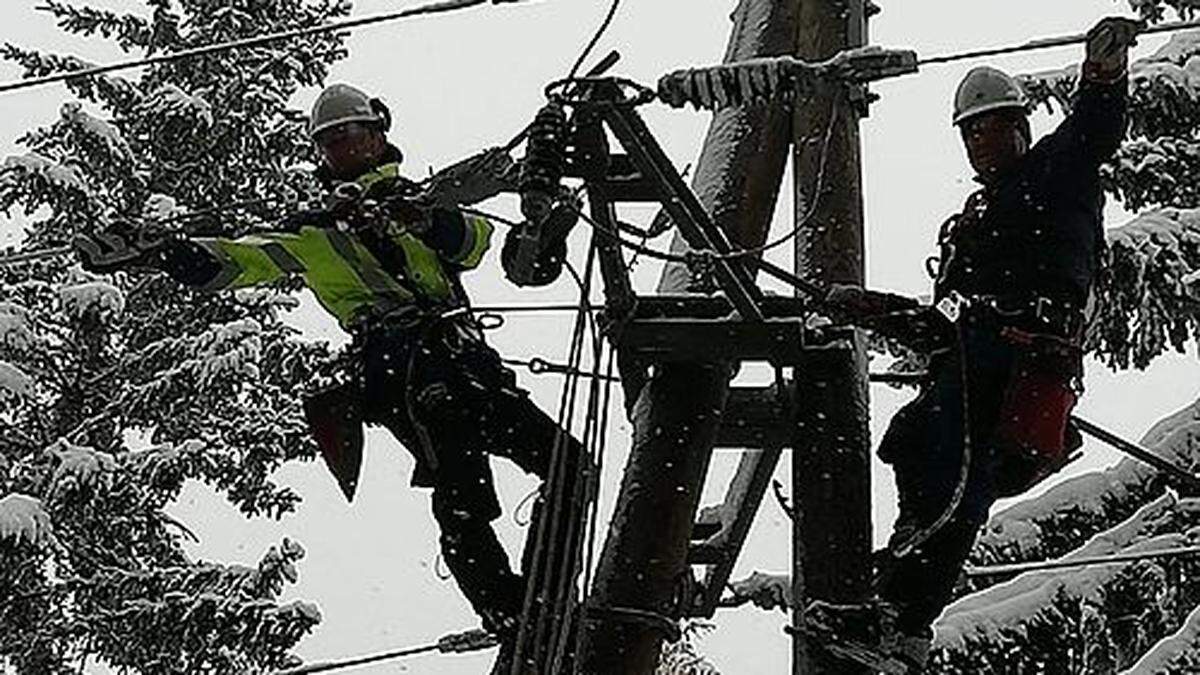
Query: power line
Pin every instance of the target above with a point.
(1046, 43)
(455, 643)
(1016, 568)
(256, 41)
(612, 12)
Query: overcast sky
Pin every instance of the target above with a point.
(459, 83)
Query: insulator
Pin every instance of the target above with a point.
(742, 83)
(545, 161)
(541, 170)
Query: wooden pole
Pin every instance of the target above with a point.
(831, 458)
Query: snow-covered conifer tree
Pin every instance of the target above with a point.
(115, 390)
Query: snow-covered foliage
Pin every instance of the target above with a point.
(16, 331)
(22, 518)
(1175, 654)
(91, 296)
(1155, 10)
(14, 382)
(1146, 304)
(212, 382)
(682, 658)
(1092, 619)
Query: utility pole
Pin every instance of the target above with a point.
(643, 568)
(831, 449)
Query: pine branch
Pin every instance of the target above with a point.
(1147, 296)
(1096, 619)
(127, 30)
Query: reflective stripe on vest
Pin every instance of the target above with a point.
(344, 276)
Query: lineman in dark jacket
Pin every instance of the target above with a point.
(1018, 264)
(422, 369)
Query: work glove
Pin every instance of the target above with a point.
(852, 303)
(1108, 48)
(307, 218)
(120, 246)
(896, 317)
(923, 329)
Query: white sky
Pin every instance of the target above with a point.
(459, 83)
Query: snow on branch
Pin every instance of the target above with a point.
(1176, 653)
(1163, 515)
(23, 518)
(1155, 10)
(100, 139)
(59, 176)
(129, 31)
(16, 329)
(174, 111)
(1164, 171)
(14, 382)
(1164, 88)
(91, 297)
(682, 657)
(1147, 293)
(1094, 619)
(80, 468)
(192, 606)
(109, 90)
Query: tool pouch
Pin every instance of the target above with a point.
(335, 419)
(1033, 437)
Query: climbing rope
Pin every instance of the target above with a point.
(923, 535)
(455, 643)
(244, 43)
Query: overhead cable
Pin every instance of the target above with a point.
(1017, 568)
(255, 41)
(1046, 43)
(455, 643)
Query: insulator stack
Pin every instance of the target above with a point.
(734, 84)
(545, 161)
(541, 171)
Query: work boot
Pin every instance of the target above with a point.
(867, 633)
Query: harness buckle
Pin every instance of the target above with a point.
(952, 306)
(1040, 306)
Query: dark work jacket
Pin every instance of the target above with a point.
(1037, 230)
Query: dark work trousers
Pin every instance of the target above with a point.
(924, 444)
(446, 396)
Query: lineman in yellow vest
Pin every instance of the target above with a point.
(423, 370)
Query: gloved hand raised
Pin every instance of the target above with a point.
(1108, 48)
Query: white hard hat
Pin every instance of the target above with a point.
(341, 103)
(985, 89)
